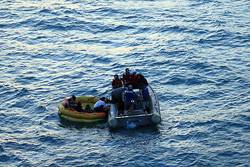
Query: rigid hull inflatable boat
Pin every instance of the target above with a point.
(145, 111)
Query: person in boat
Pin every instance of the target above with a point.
(88, 108)
(127, 77)
(145, 99)
(117, 82)
(100, 105)
(129, 98)
(72, 104)
(134, 79)
(141, 81)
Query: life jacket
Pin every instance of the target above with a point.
(127, 79)
(134, 80)
(116, 83)
(142, 82)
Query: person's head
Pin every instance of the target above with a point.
(127, 71)
(102, 98)
(130, 87)
(73, 97)
(116, 76)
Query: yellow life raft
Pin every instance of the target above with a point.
(87, 117)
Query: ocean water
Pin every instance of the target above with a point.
(195, 54)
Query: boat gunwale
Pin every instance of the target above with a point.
(134, 116)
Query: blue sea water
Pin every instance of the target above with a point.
(195, 54)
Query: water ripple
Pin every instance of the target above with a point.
(195, 54)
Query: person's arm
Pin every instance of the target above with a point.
(145, 81)
(113, 84)
(120, 83)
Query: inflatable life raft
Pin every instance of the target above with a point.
(82, 117)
